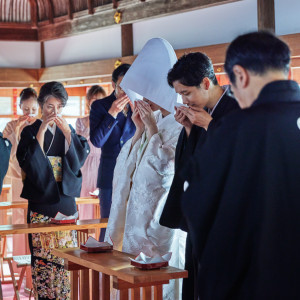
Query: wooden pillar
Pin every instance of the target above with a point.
(42, 55)
(90, 7)
(70, 9)
(127, 39)
(266, 15)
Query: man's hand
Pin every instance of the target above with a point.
(197, 117)
(182, 119)
(118, 105)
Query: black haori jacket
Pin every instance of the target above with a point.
(40, 186)
(243, 207)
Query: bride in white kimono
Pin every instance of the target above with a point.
(145, 166)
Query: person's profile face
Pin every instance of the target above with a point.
(29, 107)
(52, 106)
(192, 96)
(118, 90)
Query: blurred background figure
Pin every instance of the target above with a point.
(90, 168)
(12, 131)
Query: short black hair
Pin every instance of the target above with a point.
(257, 52)
(54, 89)
(27, 94)
(120, 71)
(94, 90)
(191, 69)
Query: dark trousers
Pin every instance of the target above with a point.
(105, 204)
(189, 285)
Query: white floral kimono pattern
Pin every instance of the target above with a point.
(142, 179)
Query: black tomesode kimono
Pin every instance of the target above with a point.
(45, 195)
(52, 181)
(243, 208)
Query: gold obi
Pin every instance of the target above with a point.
(56, 163)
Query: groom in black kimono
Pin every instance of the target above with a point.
(192, 77)
(242, 210)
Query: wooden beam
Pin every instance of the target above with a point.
(90, 7)
(13, 77)
(18, 34)
(266, 15)
(131, 11)
(96, 72)
(127, 39)
(33, 13)
(70, 9)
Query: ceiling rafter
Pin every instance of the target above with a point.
(70, 9)
(61, 18)
(34, 13)
(50, 11)
(90, 7)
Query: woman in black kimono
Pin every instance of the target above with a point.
(50, 155)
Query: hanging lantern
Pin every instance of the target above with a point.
(118, 16)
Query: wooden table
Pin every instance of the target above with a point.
(5, 191)
(24, 204)
(116, 264)
(40, 227)
(81, 225)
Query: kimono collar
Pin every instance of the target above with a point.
(147, 76)
(279, 91)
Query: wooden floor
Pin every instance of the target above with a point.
(8, 292)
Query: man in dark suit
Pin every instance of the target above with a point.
(193, 77)
(242, 209)
(5, 147)
(110, 128)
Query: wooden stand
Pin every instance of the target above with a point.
(132, 283)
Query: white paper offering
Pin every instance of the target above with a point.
(93, 243)
(59, 217)
(142, 258)
(94, 193)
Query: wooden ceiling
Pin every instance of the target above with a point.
(40, 20)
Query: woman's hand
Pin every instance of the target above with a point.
(47, 121)
(147, 118)
(64, 127)
(21, 121)
(43, 128)
(136, 119)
